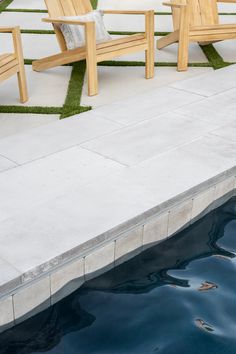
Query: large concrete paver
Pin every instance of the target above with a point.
(13, 123)
(148, 105)
(26, 4)
(120, 83)
(36, 183)
(5, 163)
(46, 45)
(210, 84)
(26, 20)
(45, 140)
(217, 109)
(227, 49)
(166, 55)
(47, 89)
(135, 144)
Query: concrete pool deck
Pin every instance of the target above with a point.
(81, 195)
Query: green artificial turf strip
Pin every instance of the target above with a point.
(94, 3)
(119, 33)
(26, 10)
(4, 4)
(74, 92)
(214, 57)
(31, 31)
(30, 109)
(142, 63)
(128, 33)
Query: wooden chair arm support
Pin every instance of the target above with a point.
(68, 22)
(15, 32)
(9, 29)
(232, 1)
(126, 12)
(174, 4)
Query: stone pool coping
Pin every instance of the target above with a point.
(115, 247)
(42, 285)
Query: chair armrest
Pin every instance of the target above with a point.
(68, 22)
(232, 1)
(171, 4)
(125, 12)
(9, 29)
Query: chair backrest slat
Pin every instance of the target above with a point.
(203, 13)
(59, 8)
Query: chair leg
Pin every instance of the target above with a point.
(149, 53)
(22, 85)
(183, 55)
(21, 73)
(91, 59)
(183, 39)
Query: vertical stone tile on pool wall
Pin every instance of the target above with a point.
(128, 244)
(224, 187)
(155, 229)
(66, 279)
(102, 258)
(6, 313)
(180, 215)
(202, 201)
(31, 299)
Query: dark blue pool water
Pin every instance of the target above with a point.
(178, 297)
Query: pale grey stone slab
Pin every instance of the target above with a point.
(210, 84)
(6, 313)
(66, 279)
(128, 244)
(178, 170)
(10, 277)
(155, 229)
(227, 132)
(136, 23)
(26, 4)
(179, 216)
(229, 19)
(83, 214)
(129, 5)
(98, 260)
(6, 164)
(48, 139)
(202, 201)
(137, 143)
(227, 50)
(13, 123)
(165, 55)
(31, 299)
(46, 45)
(218, 109)
(144, 107)
(47, 88)
(134, 86)
(22, 189)
(25, 20)
(226, 7)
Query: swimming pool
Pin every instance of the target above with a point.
(177, 297)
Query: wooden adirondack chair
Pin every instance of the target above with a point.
(92, 52)
(195, 21)
(13, 63)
